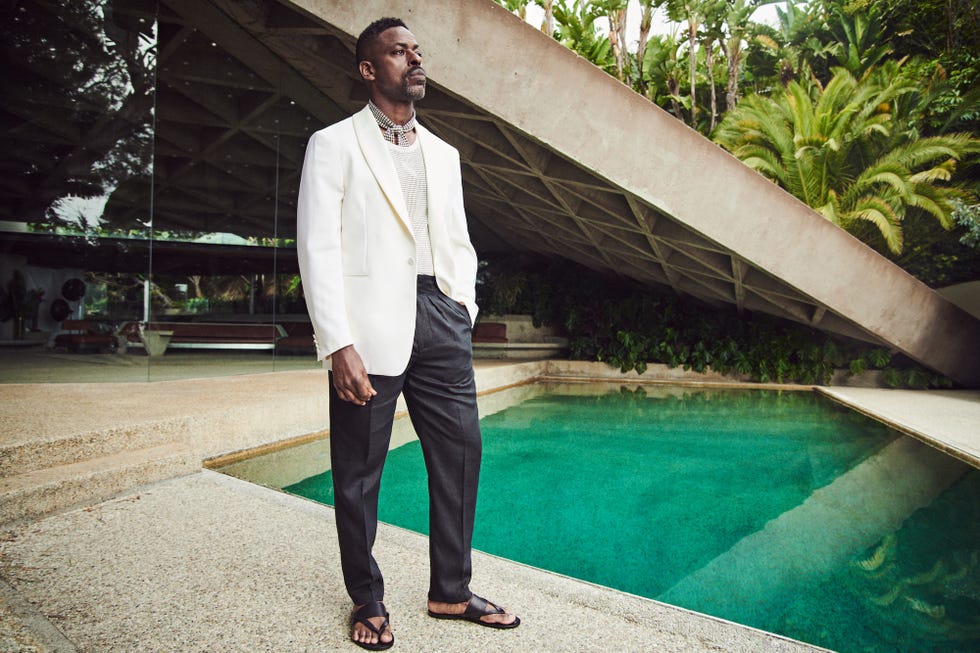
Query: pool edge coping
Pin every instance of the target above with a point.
(894, 423)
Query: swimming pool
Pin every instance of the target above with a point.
(782, 511)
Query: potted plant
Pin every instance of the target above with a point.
(154, 341)
(20, 304)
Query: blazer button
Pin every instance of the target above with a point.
(411, 261)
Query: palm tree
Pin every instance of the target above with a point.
(862, 38)
(615, 12)
(801, 42)
(646, 22)
(845, 151)
(712, 35)
(548, 21)
(738, 27)
(577, 30)
(692, 13)
(518, 7)
(661, 63)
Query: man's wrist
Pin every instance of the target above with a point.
(339, 350)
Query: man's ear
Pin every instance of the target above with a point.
(366, 69)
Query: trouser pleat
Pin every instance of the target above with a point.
(440, 393)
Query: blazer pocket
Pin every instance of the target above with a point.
(354, 243)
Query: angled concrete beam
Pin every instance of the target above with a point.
(478, 51)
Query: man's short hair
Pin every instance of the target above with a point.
(370, 35)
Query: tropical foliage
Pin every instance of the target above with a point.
(849, 151)
(867, 110)
(624, 324)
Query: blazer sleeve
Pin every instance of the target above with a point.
(464, 256)
(318, 241)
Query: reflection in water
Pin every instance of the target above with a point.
(869, 501)
(927, 573)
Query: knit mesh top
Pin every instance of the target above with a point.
(411, 173)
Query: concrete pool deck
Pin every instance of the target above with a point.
(202, 561)
(210, 563)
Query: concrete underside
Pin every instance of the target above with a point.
(561, 159)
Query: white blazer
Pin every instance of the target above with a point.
(355, 244)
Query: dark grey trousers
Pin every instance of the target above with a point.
(440, 392)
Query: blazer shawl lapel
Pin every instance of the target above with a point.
(373, 146)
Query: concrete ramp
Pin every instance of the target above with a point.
(561, 159)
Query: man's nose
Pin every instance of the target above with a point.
(414, 58)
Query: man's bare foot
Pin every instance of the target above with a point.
(477, 610)
(370, 627)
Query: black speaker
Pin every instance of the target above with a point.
(73, 290)
(59, 310)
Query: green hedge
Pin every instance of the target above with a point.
(628, 325)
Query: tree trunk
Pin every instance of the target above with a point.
(641, 48)
(617, 39)
(674, 89)
(195, 280)
(733, 55)
(709, 60)
(692, 55)
(549, 18)
(949, 26)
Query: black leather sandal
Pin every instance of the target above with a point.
(476, 608)
(368, 611)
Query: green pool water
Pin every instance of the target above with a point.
(782, 511)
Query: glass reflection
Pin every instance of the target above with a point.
(78, 109)
(216, 256)
(152, 159)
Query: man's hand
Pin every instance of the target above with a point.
(350, 378)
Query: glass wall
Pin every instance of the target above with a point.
(151, 163)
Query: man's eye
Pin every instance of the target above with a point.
(399, 52)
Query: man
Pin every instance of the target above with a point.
(389, 277)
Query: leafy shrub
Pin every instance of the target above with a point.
(628, 325)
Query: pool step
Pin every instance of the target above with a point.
(32, 494)
(73, 444)
(44, 451)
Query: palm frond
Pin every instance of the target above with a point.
(942, 172)
(850, 149)
(924, 151)
(765, 162)
(831, 210)
(882, 173)
(879, 213)
(941, 210)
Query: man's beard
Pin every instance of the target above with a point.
(413, 91)
(407, 91)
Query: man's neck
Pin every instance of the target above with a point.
(398, 112)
